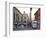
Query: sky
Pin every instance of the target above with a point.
(27, 10)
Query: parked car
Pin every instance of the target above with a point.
(21, 25)
(34, 25)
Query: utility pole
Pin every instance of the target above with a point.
(30, 13)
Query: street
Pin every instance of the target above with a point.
(27, 26)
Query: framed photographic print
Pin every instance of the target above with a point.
(26, 18)
(23, 17)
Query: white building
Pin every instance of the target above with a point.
(25, 17)
(17, 15)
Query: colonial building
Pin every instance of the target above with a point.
(25, 17)
(37, 15)
(18, 17)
